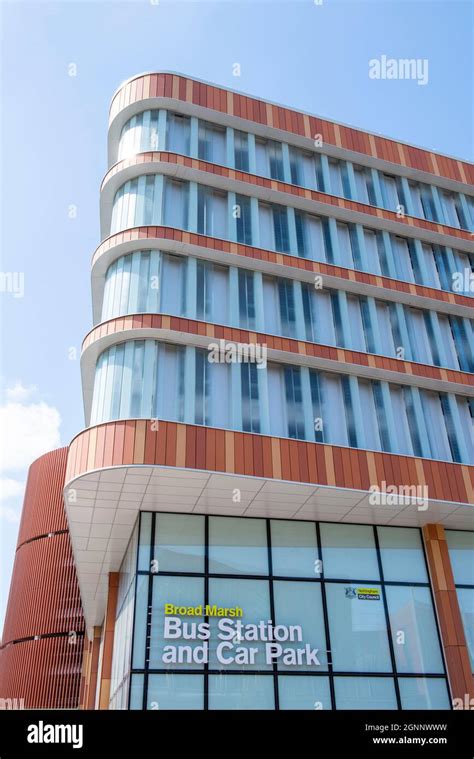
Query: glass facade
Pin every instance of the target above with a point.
(164, 130)
(153, 282)
(239, 613)
(155, 200)
(149, 379)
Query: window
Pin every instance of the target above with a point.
(132, 285)
(173, 271)
(294, 402)
(334, 414)
(318, 314)
(267, 240)
(176, 204)
(250, 397)
(345, 247)
(385, 328)
(170, 383)
(463, 348)
(310, 237)
(435, 425)
(317, 404)
(287, 307)
(359, 640)
(335, 178)
(349, 552)
(365, 693)
(391, 192)
(300, 603)
(243, 219)
(356, 327)
(402, 258)
(381, 416)
(423, 201)
(181, 692)
(241, 692)
(412, 420)
(450, 428)
(453, 213)
(139, 134)
(372, 254)
(367, 322)
(280, 229)
(212, 396)
(306, 693)
(241, 150)
(337, 316)
(302, 169)
(237, 546)
(246, 299)
(212, 212)
(294, 549)
(179, 543)
(277, 401)
(419, 341)
(320, 580)
(212, 292)
(364, 186)
(412, 620)
(178, 133)
(275, 160)
(211, 143)
(403, 438)
(301, 234)
(371, 428)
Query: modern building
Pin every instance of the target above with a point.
(271, 505)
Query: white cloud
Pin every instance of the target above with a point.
(19, 393)
(11, 488)
(27, 431)
(10, 514)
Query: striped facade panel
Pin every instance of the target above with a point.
(289, 345)
(41, 654)
(184, 445)
(315, 267)
(45, 673)
(43, 509)
(253, 109)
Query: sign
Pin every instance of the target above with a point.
(363, 594)
(234, 638)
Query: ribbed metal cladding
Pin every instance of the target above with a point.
(42, 643)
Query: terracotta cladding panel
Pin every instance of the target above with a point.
(43, 509)
(212, 449)
(447, 607)
(42, 570)
(44, 597)
(26, 672)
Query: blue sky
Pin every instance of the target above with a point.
(53, 148)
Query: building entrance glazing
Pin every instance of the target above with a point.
(250, 613)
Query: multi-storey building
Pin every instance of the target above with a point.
(281, 359)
